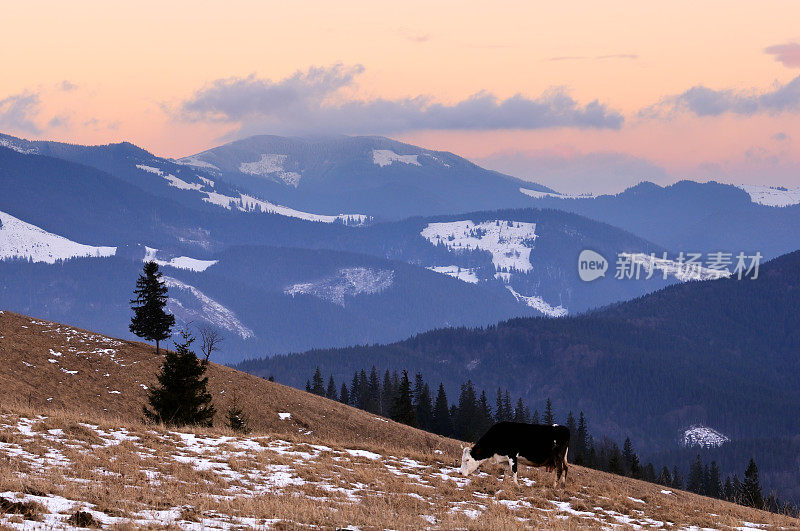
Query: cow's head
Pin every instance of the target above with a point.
(468, 464)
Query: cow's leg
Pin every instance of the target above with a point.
(515, 462)
(566, 469)
(558, 466)
(510, 470)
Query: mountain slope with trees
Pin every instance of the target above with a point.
(718, 353)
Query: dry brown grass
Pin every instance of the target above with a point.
(150, 468)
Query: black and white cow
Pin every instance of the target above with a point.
(514, 442)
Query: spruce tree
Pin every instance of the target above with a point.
(182, 397)
(317, 383)
(519, 411)
(484, 420)
(442, 423)
(714, 487)
(534, 420)
(424, 407)
(403, 410)
(581, 440)
(330, 392)
(150, 321)
(464, 423)
(235, 417)
(373, 403)
(664, 477)
(344, 396)
(751, 488)
(549, 418)
(631, 460)
(694, 482)
(499, 412)
(677, 479)
(727, 491)
(508, 412)
(387, 394)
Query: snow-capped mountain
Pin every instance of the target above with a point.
(694, 217)
(373, 175)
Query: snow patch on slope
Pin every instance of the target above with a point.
(385, 157)
(23, 240)
(18, 148)
(681, 271)
(246, 203)
(171, 179)
(192, 304)
(539, 195)
(769, 196)
(702, 436)
(271, 165)
(539, 304)
(464, 274)
(347, 282)
(195, 163)
(179, 262)
(509, 242)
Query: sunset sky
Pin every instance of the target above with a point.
(591, 96)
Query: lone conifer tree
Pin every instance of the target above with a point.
(182, 397)
(149, 320)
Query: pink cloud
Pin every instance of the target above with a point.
(788, 54)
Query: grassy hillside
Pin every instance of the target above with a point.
(75, 452)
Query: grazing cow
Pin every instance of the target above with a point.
(513, 442)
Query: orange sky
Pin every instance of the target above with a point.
(134, 63)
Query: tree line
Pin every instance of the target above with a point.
(394, 396)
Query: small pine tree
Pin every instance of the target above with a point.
(534, 419)
(677, 479)
(403, 410)
(182, 397)
(235, 417)
(631, 460)
(150, 321)
(373, 404)
(344, 396)
(751, 488)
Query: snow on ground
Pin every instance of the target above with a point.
(187, 480)
(702, 436)
(385, 157)
(179, 262)
(188, 303)
(347, 282)
(539, 304)
(509, 242)
(23, 240)
(682, 271)
(769, 196)
(539, 195)
(464, 274)
(271, 165)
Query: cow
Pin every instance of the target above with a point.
(513, 442)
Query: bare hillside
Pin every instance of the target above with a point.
(74, 452)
